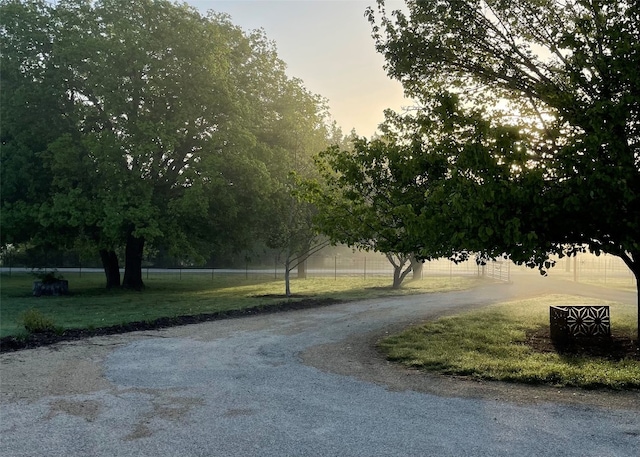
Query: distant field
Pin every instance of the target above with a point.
(605, 271)
(620, 283)
(89, 305)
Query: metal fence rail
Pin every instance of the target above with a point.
(318, 266)
(587, 268)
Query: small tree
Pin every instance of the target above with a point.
(293, 234)
(367, 198)
(439, 182)
(134, 124)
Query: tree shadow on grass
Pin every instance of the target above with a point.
(614, 348)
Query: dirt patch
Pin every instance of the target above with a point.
(359, 357)
(33, 340)
(89, 410)
(614, 348)
(166, 409)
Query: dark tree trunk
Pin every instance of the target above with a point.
(133, 263)
(111, 268)
(287, 278)
(632, 260)
(637, 275)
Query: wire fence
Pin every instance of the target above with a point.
(606, 270)
(364, 266)
(378, 265)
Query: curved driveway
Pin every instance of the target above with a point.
(303, 383)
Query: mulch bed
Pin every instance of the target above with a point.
(33, 340)
(613, 348)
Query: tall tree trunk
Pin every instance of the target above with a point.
(111, 268)
(636, 273)
(632, 259)
(133, 263)
(638, 310)
(287, 278)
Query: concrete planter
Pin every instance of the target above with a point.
(579, 321)
(57, 287)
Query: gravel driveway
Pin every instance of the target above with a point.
(302, 383)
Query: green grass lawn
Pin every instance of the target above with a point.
(89, 305)
(490, 344)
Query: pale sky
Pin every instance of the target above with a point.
(328, 45)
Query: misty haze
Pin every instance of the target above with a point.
(319, 228)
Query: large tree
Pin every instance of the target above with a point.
(32, 117)
(568, 67)
(128, 124)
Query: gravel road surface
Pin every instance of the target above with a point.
(302, 383)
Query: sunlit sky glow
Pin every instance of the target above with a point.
(327, 44)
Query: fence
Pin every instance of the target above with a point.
(499, 270)
(378, 265)
(586, 268)
(364, 266)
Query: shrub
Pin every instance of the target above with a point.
(47, 276)
(36, 322)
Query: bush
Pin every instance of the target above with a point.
(48, 277)
(36, 322)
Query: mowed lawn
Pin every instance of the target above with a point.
(492, 344)
(90, 305)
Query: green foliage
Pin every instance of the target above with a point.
(35, 321)
(490, 344)
(149, 123)
(357, 202)
(424, 187)
(568, 70)
(556, 84)
(48, 276)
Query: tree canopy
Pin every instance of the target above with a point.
(129, 125)
(563, 75)
(422, 189)
(366, 198)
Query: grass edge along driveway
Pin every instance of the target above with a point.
(91, 306)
